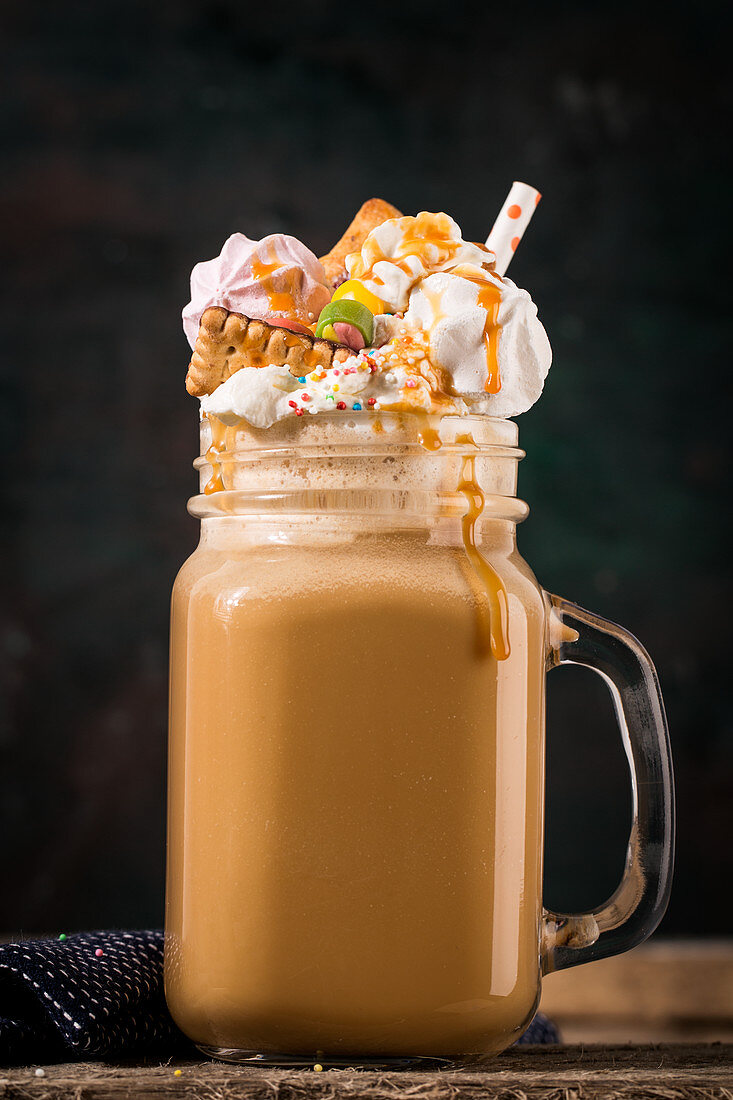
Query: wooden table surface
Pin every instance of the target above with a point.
(595, 1072)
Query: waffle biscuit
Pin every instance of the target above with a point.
(371, 214)
(228, 341)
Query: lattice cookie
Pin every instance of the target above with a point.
(227, 342)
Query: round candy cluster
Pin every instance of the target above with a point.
(349, 316)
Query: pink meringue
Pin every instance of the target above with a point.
(276, 279)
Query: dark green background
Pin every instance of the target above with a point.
(135, 138)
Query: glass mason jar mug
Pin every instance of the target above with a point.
(356, 779)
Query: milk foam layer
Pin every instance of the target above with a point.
(333, 453)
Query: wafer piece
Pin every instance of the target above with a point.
(371, 214)
(229, 341)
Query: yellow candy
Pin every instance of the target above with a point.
(329, 333)
(357, 292)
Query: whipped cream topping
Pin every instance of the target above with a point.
(454, 337)
(364, 382)
(274, 279)
(447, 307)
(402, 251)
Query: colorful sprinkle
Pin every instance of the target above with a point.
(330, 397)
(62, 937)
(99, 952)
(177, 1072)
(298, 412)
(302, 380)
(340, 404)
(410, 384)
(372, 401)
(356, 406)
(336, 387)
(305, 396)
(318, 1068)
(337, 373)
(292, 404)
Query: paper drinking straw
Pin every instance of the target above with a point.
(513, 219)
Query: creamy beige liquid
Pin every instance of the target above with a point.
(356, 785)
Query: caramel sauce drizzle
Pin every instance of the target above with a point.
(434, 300)
(261, 269)
(489, 298)
(280, 301)
(428, 237)
(310, 354)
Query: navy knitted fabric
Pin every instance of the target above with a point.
(100, 995)
(60, 1000)
(541, 1030)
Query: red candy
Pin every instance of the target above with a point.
(286, 322)
(349, 335)
(340, 404)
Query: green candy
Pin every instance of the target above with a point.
(347, 312)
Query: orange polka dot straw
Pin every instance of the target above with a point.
(513, 219)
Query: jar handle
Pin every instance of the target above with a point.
(577, 637)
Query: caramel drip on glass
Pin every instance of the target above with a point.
(497, 627)
(427, 433)
(215, 484)
(494, 629)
